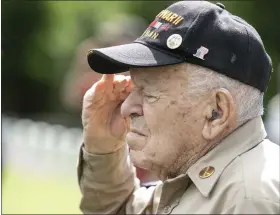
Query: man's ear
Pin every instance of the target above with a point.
(220, 114)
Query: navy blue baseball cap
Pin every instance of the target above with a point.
(197, 32)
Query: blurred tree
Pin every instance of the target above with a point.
(148, 9)
(38, 42)
(20, 92)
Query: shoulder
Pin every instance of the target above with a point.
(254, 180)
(255, 173)
(260, 171)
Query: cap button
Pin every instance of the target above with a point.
(220, 5)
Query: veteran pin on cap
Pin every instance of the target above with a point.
(197, 32)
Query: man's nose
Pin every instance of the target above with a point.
(132, 105)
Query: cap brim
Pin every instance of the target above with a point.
(120, 58)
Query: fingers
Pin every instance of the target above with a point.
(109, 78)
(129, 87)
(115, 82)
(98, 88)
(113, 86)
(122, 87)
(120, 83)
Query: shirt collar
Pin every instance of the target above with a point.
(241, 140)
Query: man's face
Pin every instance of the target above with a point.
(166, 122)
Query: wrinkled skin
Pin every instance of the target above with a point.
(166, 118)
(170, 129)
(167, 122)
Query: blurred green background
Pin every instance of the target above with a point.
(39, 45)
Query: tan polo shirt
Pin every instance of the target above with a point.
(239, 176)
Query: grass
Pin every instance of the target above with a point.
(26, 193)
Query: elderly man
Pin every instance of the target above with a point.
(191, 113)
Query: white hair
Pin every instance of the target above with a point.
(249, 100)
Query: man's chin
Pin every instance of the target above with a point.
(139, 160)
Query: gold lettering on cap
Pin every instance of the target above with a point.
(155, 35)
(150, 34)
(144, 33)
(171, 18)
(160, 13)
(167, 15)
(178, 20)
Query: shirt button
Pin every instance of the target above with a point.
(167, 210)
(206, 172)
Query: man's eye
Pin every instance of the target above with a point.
(150, 98)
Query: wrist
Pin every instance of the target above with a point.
(102, 147)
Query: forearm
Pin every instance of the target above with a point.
(106, 181)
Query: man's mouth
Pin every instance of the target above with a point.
(136, 139)
(137, 131)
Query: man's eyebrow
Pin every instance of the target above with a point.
(145, 81)
(137, 82)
